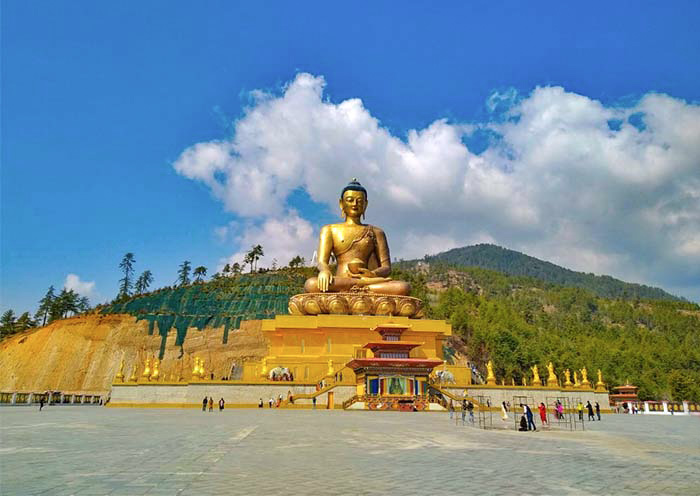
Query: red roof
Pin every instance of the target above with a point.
(391, 345)
(393, 362)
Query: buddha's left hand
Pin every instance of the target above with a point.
(363, 274)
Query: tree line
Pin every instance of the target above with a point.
(51, 307)
(67, 302)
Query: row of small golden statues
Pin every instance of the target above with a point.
(552, 380)
(153, 374)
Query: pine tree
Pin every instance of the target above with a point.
(143, 282)
(248, 259)
(183, 275)
(24, 322)
(45, 305)
(199, 273)
(257, 253)
(8, 323)
(125, 283)
(297, 261)
(83, 304)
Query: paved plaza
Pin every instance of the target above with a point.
(94, 451)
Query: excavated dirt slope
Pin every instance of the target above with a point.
(84, 353)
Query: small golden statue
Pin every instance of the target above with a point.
(263, 369)
(503, 382)
(600, 385)
(576, 383)
(551, 377)
(490, 376)
(120, 375)
(584, 378)
(330, 367)
(133, 377)
(524, 382)
(200, 371)
(155, 375)
(536, 377)
(361, 284)
(512, 381)
(567, 374)
(147, 369)
(195, 367)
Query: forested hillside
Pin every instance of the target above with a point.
(518, 264)
(516, 321)
(519, 321)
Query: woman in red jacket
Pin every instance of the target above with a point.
(543, 413)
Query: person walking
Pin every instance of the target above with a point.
(530, 418)
(451, 409)
(504, 411)
(589, 407)
(579, 408)
(270, 401)
(313, 401)
(41, 403)
(560, 410)
(221, 404)
(211, 404)
(597, 410)
(470, 409)
(543, 413)
(260, 403)
(204, 404)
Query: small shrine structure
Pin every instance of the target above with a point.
(390, 379)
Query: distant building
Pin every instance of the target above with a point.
(624, 394)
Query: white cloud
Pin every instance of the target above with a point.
(83, 288)
(556, 182)
(282, 238)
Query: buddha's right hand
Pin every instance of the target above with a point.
(325, 279)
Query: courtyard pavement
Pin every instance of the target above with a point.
(87, 450)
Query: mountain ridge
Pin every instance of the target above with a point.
(515, 263)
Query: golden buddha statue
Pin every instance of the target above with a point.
(600, 385)
(567, 374)
(584, 377)
(361, 283)
(552, 377)
(120, 374)
(490, 376)
(361, 251)
(536, 381)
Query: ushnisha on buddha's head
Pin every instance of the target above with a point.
(353, 200)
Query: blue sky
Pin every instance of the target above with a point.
(100, 101)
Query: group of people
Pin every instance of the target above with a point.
(527, 418)
(467, 407)
(209, 402)
(589, 407)
(276, 403)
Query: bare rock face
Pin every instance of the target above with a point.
(84, 353)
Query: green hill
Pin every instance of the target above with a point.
(518, 264)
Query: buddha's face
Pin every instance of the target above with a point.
(353, 203)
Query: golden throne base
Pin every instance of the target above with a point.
(355, 304)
